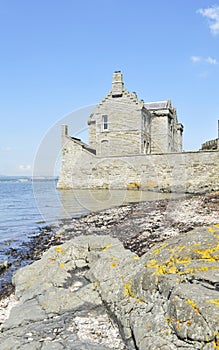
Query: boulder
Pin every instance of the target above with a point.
(166, 299)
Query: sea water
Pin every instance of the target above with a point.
(26, 206)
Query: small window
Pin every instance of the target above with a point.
(105, 122)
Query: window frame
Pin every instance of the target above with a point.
(105, 125)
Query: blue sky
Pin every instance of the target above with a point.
(59, 56)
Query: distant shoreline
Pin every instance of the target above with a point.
(27, 178)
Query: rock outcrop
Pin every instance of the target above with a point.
(91, 293)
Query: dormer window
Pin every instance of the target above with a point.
(105, 122)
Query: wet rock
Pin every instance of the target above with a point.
(4, 265)
(166, 299)
(55, 291)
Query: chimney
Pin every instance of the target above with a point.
(117, 84)
(64, 130)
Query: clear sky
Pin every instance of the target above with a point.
(58, 56)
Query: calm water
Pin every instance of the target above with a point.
(26, 206)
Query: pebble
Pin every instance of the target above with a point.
(139, 226)
(4, 265)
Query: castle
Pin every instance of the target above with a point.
(134, 145)
(211, 144)
(122, 125)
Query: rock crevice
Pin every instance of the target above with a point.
(92, 293)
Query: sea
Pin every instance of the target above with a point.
(27, 205)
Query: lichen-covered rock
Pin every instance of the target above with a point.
(55, 302)
(166, 299)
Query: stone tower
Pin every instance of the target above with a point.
(119, 124)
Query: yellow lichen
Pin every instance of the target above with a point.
(95, 285)
(166, 330)
(191, 270)
(206, 254)
(158, 250)
(113, 265)
(62, 265)
(180, 248)
(183, 260)
(216, 344)
(128, 289)
(58, 249)
(216, 226)
(193, 305)
(133, 186)
(168, 320)
(213, 301)
(152, 263)
(136, 257)
(178, 264)
(211, 229)
(169, 267)
(178, 322)
(139, 300)
(107, 246)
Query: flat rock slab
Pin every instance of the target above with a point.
(91, 293)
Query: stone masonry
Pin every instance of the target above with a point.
(211, 144)
(121, 124)
(185, 172)
(135, 145)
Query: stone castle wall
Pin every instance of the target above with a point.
(136, 145)
(126, 133)
(211, 145)
(121, 124)
(159, 135)
(166, 132)
(193, 172)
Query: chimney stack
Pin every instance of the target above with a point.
(117, 84)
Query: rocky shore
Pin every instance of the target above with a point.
(141, 276)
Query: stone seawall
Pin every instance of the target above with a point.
(193, 172)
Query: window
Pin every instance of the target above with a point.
(105, 122)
